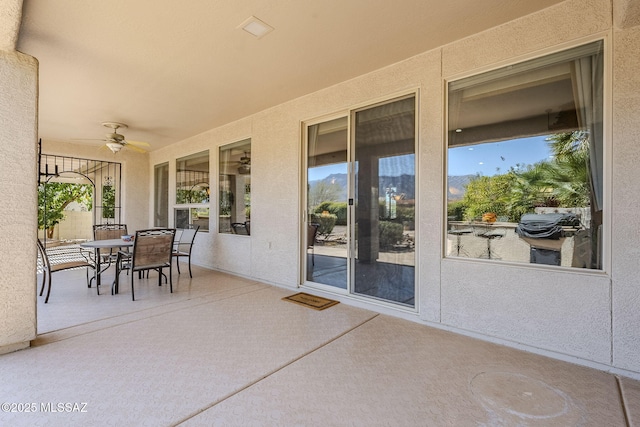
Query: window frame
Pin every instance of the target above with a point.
(223, 228)
(606, 228)
(158, 204)
(193, 207)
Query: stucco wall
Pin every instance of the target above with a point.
(567, 313)
(586, 316)
(18, 142)
(220, 251)
(75, 225)
(626, 200)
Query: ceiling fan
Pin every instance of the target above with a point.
(116, 141)
(232, 161)
(245, 164)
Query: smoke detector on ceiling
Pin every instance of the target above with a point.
(256, 27)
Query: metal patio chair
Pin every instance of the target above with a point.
(60, 260)
(152, 250)
(312, 232)
(183, 245)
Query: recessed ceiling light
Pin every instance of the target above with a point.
(256, 27)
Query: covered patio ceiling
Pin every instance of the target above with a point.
(171, 70)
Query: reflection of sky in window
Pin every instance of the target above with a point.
(486, 159)
(321, 172)
(497, 157)
(389, 166)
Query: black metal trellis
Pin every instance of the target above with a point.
(100, 174)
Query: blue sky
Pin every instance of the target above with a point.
(487, 158)
(321, 172)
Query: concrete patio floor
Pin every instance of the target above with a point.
(224, 350)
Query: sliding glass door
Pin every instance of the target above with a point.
(384, 146)
(327, 233)
(361, 202)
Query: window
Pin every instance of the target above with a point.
(161, 195)
(192, 178)
(525, 161)
(235, 188)
(192, 189)
(108, 201)
(184, 217)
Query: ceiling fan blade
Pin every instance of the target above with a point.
(138, 143)
(135, 148)
(87, 139)
(116, 141)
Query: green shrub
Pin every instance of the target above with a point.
(339, 209)
(324, 206)
(390, 234)
(405, 213)
(456, 210)
(325, 223)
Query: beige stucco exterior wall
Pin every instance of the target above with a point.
(18, 142)
(566, 313)
(626, 199)
(586, 317)
(10, 23)
(220, 251)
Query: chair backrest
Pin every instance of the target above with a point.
(312, 231)
(43, 254)
(109, 231)
(62, 257)
(186, 238)
(152, 248)
(240, 228)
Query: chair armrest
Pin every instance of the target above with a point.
(123, 259)
(88, 255)
(124, 254)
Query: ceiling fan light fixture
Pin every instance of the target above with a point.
(114, 146)
(244, 169)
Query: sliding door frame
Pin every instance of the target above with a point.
(302, 264)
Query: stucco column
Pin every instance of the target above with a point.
(626, 13)
(18, 210)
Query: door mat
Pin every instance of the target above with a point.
(311, 301)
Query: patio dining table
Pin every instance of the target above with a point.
(97, 245)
